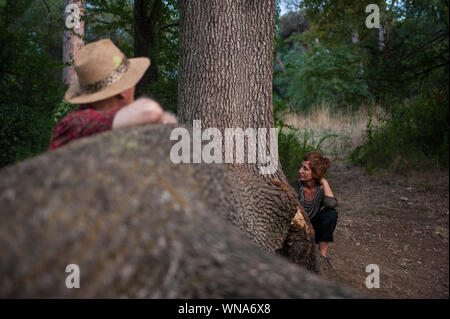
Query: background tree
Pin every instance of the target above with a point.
(73, 39)
(152, 21)
(146, 15)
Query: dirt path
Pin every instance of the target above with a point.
(400, 224)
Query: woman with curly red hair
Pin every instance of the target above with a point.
(317, 199)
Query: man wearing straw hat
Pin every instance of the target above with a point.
(105, 89)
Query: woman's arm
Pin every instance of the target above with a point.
(329, 201)
(141, 111)
(326, 188)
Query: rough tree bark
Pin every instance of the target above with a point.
(73, 38)
(225, 80)
(146, 14)
(136, 224)
(139, 225)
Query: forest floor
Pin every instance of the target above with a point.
(399, 223)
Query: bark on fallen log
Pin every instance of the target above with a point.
(137, 225)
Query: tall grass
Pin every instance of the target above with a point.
(344, 129)
(294, 142)
(414, 134)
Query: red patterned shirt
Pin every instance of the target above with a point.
(81, 122)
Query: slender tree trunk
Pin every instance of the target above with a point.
(146, 14)
(355, 37)
(280, 64)
(73, 37)
(225, 80)
(381, 33)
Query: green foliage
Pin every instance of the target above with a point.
(292, 22)
(165, 92)
(24, 133)
(61, 110)
(293, 144)
(414, 136)
(339, 60)
(402, 67)
(30, 85)
(416, 49)
(323, 75)
(165, 89)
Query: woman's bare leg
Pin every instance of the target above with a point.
(323, 246)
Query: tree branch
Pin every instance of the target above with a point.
(422, 47)
(169, 26)
(46, 5)
(406, 79)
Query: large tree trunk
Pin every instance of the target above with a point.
(146, 14)
(137, 226)
(226, 65)
(225, 80)
(73, 38)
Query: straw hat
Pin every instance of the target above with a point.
(103, 71)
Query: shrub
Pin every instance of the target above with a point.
(414, 135)
(320, 75)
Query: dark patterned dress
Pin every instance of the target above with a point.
(81, 122)
(321, 212)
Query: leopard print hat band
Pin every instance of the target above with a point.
(106, 82)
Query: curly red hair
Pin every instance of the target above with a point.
(318, 163)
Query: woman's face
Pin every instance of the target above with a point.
(305, 172)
